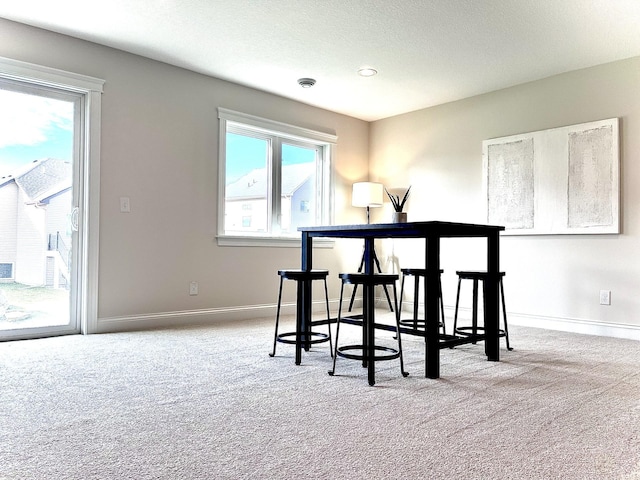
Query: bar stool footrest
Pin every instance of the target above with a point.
(319, 338)
(468, 331)
(391, 355)
(410, 322)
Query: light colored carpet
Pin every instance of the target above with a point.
(209, 403)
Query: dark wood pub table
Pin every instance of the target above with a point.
(432, 232)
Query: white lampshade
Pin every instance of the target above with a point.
(367, 194)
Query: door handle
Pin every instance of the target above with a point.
(74, 219)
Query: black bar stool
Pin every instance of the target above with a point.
(474, 328)
(416, 322)
(389, 353)
(313, 337)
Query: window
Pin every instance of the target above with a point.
(6, 271)
(279, 173)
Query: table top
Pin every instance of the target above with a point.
(405, 230)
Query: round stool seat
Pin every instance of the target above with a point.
(422, 272)
(303, 274)
(467, 275)
(368, 279)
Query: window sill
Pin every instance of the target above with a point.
(286, 242)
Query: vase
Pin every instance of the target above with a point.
(399, 217)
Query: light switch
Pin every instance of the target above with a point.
(125, 205)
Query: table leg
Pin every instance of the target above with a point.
(304, 308)
(431, 288)
(368, 311)
(491, 320)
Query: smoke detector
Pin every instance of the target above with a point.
(306, 82)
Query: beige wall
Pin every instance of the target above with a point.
(159, 146)
(553, 279)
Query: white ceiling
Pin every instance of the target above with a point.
(427, 52)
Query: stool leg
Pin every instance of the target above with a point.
(455, 315)
(399, 307)
(307, 327)
(444, 327)
(416, 293)
(504, 315)
(355, 287)
(365, 324)
(275, 337)
(395, 301)
(402, 289)
(401, 293)
(326, 296)
(335, 351)
(353, 296)
(474, 312)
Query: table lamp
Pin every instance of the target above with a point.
(367, 194)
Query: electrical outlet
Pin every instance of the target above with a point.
(193, 288)
(605, 297)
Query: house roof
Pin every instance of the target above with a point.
(254, 184)
(42, 179)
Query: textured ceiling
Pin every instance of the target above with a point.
(427, 52)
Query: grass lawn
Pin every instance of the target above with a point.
(28, 305)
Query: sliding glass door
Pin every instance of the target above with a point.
(41, 150)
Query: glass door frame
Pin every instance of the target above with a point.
(86, 188)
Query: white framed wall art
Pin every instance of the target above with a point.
(559, 181)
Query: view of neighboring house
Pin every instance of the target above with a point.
(35, 231)
(246, 208)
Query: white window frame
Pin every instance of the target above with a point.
(229, 120)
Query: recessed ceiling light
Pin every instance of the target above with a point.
(306, 82)
(367, 72)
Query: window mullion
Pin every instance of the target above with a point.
(319, 185)
(326, 210)
(276, 185)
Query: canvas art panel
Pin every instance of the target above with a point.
(556, 181)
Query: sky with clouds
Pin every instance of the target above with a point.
(32, 128)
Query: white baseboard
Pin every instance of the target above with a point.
(214, 315)
(201, 317)
(587, 327)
